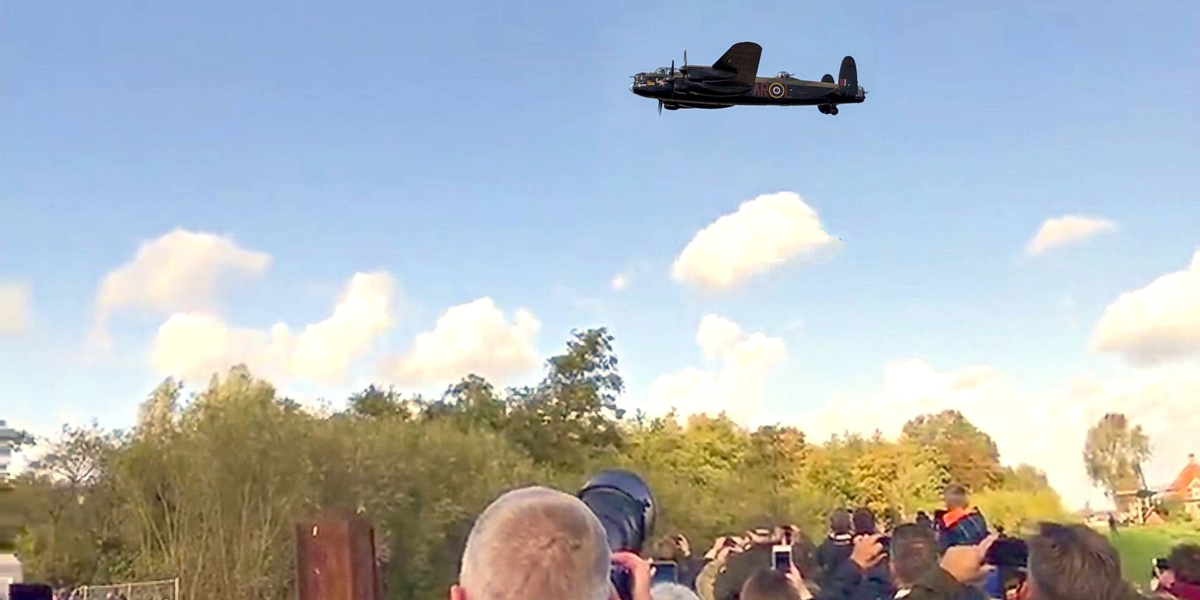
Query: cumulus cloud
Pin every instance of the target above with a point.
(1157, 323)
(1045, 429)
(469, 338)
(194, 345)
(734, 386)
(15, 308)
(1066, 230)
(763, 233)
(180, 271)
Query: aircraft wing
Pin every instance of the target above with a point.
(741, 58)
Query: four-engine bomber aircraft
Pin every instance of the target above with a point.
(733, 80)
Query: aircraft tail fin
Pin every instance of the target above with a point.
(848, 75)
(741, 58)
(827, 78)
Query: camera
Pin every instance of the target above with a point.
(1008, 552)
(627, 509)
(665, 571)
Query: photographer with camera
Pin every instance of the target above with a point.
(1178, 575)
(1065, 562)
(836, 548)
(758, 553)
(675, 552)
(877, 580)
(540, 544)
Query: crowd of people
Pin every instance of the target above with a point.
(541, 544)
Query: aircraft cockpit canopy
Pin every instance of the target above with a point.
(783, 75)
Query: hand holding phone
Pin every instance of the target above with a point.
(664, 571)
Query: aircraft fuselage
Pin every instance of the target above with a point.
(766, 91)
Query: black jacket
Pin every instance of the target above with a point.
(848, 581)
(939, 585)
(832, 552)
(738, 568)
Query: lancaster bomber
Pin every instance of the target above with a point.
(733, 80)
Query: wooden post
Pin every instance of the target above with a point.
(335, 559)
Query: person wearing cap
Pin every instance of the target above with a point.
(761, 537)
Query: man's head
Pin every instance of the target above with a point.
(768, 584)
(956, 496)
(839, 522)
(1185, 562)
(914, 553)
(762, 531)
(1072, 562)
(672, 591)
(863, 520)
(535, 544)
(664, 548)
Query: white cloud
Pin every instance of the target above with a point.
(15, 308)
(471, 338)
(735, 387)
(1066, 230)
(180, 271)
(765, 232)
(195, 345)
(620, 282)
(1157, 323)
(1045, 429)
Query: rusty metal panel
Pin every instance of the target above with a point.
(335, 559)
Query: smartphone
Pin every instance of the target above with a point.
(781, 558)
(886, 542)
(665, 571)
(1008, 552)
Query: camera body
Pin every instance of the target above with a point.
(1008, 552)
(626, 508)
(665, 571)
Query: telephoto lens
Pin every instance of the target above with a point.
(626, 508)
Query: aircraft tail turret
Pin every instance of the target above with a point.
(827, 78)
(848, 76)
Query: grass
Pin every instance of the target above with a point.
(1139, 546)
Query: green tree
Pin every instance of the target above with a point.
(1114, 452)
(375, 402)
(972, 458)
(572, 415)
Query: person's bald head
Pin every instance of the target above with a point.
(535, 544)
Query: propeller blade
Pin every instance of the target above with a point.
(660, 108)
(672, 67)
(685, 57)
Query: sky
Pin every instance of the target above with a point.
(403, 193)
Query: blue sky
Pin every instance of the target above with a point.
(493, 150)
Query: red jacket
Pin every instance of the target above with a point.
(1184, 591)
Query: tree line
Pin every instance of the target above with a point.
(208, 487)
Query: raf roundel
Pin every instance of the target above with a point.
(776, 90)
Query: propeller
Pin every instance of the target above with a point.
(685, 57)
(660, 108)
(672, 68)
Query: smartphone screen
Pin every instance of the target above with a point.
(665, 571)
(781, 558)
